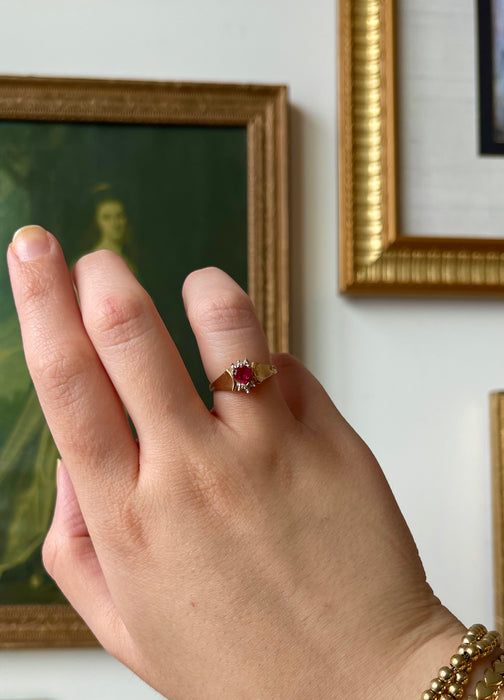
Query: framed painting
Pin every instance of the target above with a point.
(497, 445)
(491, 75)
(420, 209)
(173, 177)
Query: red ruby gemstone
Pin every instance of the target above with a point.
(243, 375)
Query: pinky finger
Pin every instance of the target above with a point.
(304, 395)
(70, 559)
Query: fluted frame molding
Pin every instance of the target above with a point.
(375, 257)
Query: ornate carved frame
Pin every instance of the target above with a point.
(375, 258)
(262, 110)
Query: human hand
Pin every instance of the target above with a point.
(250, 552)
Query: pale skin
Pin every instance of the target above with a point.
(254, 552)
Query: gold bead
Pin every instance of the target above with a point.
(468, 638)
(456, 690)
(473, 651)
(429, 695)
(459, 662)
(437, 686)
(492, 639)
(478, 630)
(484, 645)
(462, 677)
(446, 674)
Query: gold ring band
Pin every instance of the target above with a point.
(243, 376)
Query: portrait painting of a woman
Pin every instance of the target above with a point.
(134, 190)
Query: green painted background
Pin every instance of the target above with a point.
(184, 190)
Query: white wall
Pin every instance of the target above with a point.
(411, 375)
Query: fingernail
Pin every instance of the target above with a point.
(30, 243)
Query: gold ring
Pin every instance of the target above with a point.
(243, 376)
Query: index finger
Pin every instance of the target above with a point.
(82, 409)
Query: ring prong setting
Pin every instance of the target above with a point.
(243, 376)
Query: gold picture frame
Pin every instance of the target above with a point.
(375, 257)
(262, 110)
(497, 448)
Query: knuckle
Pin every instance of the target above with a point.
(284, 360)
(133, 521)
(215, 490)
(36, 285)
(128, 523)
(118, 320)
(61, 377)
(233, 311)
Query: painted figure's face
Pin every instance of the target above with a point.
(111, 220)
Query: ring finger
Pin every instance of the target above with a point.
(228, 331)
(137, 352)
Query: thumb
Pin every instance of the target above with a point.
(70, 559)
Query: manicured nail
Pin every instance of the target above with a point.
(30, 243)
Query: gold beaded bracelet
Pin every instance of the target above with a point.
(477, 643)
(492, 683)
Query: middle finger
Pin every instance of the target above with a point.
(137, 352)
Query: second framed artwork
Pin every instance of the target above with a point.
(491, 75)
(421, 208)
(173, 177)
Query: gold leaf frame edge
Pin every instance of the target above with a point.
(374, 257)
(263, 110)
(497, 481)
